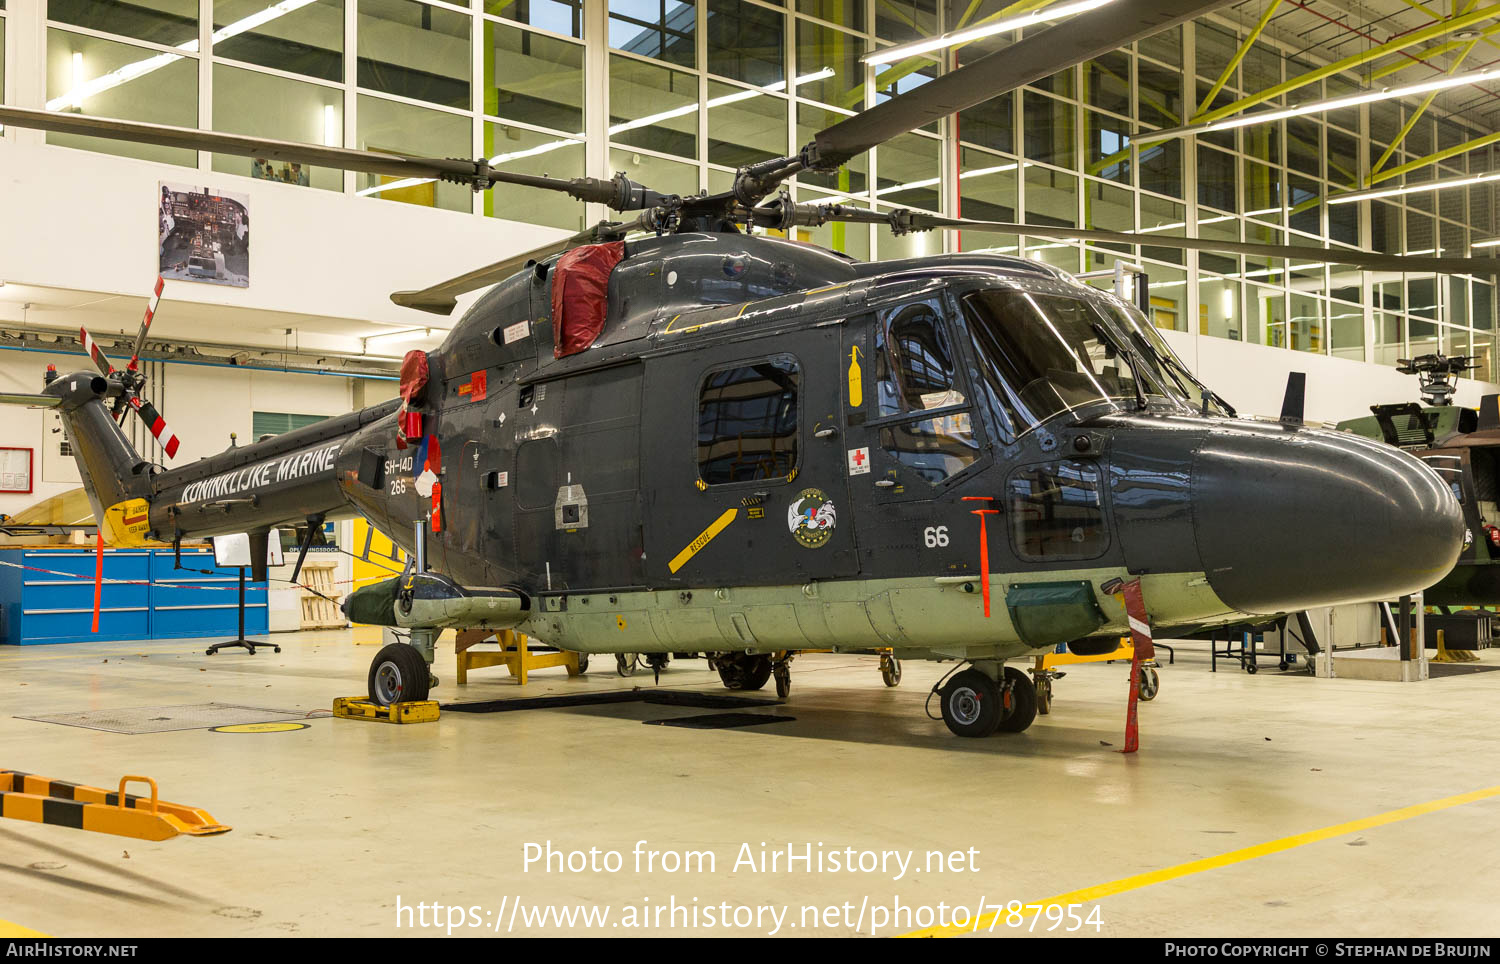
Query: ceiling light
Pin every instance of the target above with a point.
(967, 35)
(1492, 242)
(1419, 188)
(1322, 106)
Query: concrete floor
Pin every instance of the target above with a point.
(334, 822)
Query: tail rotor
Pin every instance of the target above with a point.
(132, 380)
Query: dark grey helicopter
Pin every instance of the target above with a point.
(703, 440)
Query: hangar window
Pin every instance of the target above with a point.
(1056, 512)
(747, 422)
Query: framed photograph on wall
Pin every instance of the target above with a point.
(203, 235)
(15, 471)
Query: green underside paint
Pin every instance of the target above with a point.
(917, 616)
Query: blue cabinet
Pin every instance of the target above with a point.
(47, 596)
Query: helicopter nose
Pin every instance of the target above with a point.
(1287, 521)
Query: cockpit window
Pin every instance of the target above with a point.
(1042, 354)
(917, 366)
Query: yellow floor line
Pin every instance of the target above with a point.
(1137, 881)
(7, 929)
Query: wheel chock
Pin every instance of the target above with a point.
(360, 708)
(26, 796)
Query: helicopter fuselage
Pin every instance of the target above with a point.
(769, 447)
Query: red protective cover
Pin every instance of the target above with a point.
(413, 374)
(580, 295)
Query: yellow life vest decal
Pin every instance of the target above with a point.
(856, 379)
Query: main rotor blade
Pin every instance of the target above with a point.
(1368, 260)
(370, 162)
(37, 401)
(1084, 37)
(442, 298)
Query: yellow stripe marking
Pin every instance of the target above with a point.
(7, 929)
(1137, 881)
(704, 538)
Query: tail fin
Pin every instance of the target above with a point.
(115, 476)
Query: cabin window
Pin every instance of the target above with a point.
(747, 422)
(927, 428)
(1056, 512)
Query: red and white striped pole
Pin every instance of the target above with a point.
(1140, 638)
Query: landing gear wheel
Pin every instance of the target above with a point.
(890, 670)
(971, 704)
(625, 663)
(1150, 683)
(398, 674)
(1044, 695)
(1018, 705)
(783, 674)
(738, 671)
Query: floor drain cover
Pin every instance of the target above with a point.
(161, 719)
(721, 721)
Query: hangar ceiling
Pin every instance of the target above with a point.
(1332, 30)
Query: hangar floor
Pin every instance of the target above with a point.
(333, 823)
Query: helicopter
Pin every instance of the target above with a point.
(668, 434)
(1463, 446)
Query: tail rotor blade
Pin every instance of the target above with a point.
(155, 424)
(96, 353)
(140, 337)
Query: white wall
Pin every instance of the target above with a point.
(1252, 378)
(202, 405)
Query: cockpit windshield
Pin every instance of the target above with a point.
(1164, 361)
(1049, 353)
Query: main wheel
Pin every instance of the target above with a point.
(971, 704)
(738, 671)
(1150, 683)
(1018, 701)
(625, 663)
(398, 674)
(890, 670)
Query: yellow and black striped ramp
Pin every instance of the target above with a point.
(26, 796)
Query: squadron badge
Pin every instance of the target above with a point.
(811, 518)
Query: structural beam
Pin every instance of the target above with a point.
(1422, 109)
(1430, 32)
(1239, 55)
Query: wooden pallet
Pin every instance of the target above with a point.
(317, 612)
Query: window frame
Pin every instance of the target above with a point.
(880, 334)
(731, 365)
(1101, 483)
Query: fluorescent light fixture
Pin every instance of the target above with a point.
(620, 128)
(332, 134)
(1322, 106)
(1492, 242)
(1418, 188)
(1226, 307)
(957, 37)
(129, 72)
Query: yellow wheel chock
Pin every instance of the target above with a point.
(1446, 655)
(25, 796)
(359, 708)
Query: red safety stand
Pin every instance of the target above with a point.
(1140, 638)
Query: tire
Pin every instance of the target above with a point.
(890, 671)
(741, 672)
(398, 674)
(783, 682)
(583, 663)
(1022, 702)
(1150, 684)
(971, 704)
(625, 663)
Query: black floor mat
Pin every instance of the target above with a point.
(1456, 669)
(721, 721)
(708, 701)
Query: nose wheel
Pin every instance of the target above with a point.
(975, 704)
(399, 674)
